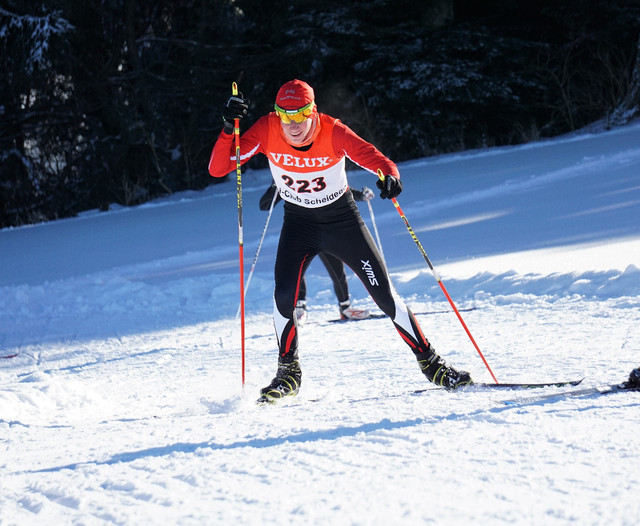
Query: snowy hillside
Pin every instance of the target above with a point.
(123, 403)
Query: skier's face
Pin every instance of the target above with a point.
(297, 132)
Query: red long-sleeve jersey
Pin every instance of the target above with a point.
(312, 176)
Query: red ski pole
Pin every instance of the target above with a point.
(236, 132)
(437, 277)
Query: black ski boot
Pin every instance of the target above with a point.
(634, 378)
(438, 372)
(286, 383)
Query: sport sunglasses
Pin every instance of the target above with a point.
(299, 115)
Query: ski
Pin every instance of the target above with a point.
(6, 357)
(377, 316)
(506, 386)
(588, 391)
(632, 384)
(285, 400)
(264, 400)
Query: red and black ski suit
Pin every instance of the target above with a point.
(320, 215)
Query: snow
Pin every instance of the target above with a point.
(124, 404)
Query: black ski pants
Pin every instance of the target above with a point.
(335, 268)
(338, 230)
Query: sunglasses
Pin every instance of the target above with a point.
(298, 116)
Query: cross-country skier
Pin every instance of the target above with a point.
(334, 267)
(306, 151)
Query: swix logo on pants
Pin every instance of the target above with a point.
(366, 266)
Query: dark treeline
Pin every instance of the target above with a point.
(117, 101)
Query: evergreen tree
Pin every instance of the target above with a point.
(117, 101)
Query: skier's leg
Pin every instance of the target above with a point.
(335, 268)
(292, 259)
(301, 302)
(302, 292)
(289, 271)
(361, 254)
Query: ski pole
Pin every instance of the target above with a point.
(381, 176)
(255, 258)
(375, 229)
(236, 133)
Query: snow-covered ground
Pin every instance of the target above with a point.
(124, 404)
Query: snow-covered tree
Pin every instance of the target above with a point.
(31, 96)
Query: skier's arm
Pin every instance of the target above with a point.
(223, 156)
(267, 197)
(368, 157)
(361, 152)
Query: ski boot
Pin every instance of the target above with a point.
(438, 372)
(286, 383)
(347, 312)
(301, 312)
(634, 378)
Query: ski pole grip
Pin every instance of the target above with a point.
(383, 178)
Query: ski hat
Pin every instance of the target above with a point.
(294, 94)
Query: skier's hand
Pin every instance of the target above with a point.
(390, 187)
(267, 197)
(367, 194)
(235, 108)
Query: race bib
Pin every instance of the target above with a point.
(314, 186)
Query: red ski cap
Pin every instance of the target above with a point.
(294, 94)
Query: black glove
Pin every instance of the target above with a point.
(267, 197)
(366, 194)
(235, 108)
(390, 187)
